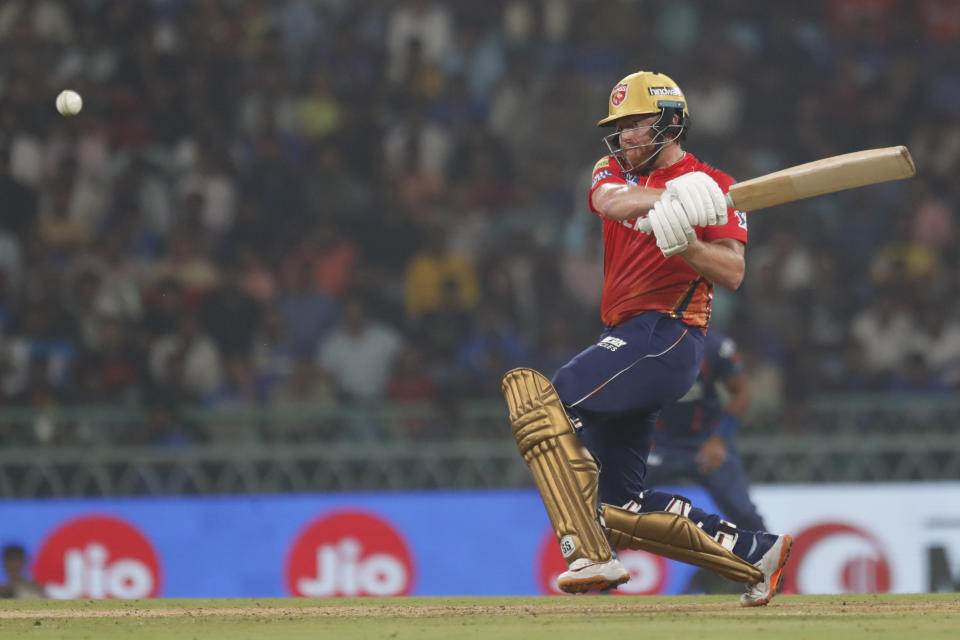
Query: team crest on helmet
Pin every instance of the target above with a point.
(619, 94)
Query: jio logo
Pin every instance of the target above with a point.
(836, 557)
(649, 573)
(349, 553)
(97, 557)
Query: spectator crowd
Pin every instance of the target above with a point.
(350, 202)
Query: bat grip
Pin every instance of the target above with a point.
(643, 225)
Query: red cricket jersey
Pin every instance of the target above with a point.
(636, 276)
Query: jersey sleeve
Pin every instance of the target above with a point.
(606, 171)
(736, 226)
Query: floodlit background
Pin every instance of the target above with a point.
(292, 246)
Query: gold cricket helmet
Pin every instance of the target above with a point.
(644, 92)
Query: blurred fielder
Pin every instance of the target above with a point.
(694, 436)
(587, 435)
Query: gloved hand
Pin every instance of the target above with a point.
(702, 199)
(670, 225)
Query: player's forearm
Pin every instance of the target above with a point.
(720, 262)
(737, 404)
(739, 391)
(624, 201)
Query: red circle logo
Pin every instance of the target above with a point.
(349, 553)
(619, 94)
(835, 557)
(648, 572)
(97, 557)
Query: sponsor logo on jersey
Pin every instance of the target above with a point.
(98, 557)
(611, 344)
(602, 163)
(664, 91)
(619, 94)
(631, 178)
(741, 218)
(603, 174)
(349, 553)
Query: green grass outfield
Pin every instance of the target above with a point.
(910, 617)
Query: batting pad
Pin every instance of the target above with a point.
(676, 537)
(564, 471)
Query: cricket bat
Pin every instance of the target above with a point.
(837, 173)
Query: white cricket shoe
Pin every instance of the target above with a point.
(584, 575)
(771, 563)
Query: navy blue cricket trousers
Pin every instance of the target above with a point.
(613, 392)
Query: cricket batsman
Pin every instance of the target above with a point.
(587, 433)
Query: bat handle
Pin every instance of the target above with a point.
(643, 225)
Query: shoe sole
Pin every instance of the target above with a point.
(777, 578)
(598, 583)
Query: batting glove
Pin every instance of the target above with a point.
(670, 225)
(702, 198)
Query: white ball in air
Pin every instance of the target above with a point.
(69, 102)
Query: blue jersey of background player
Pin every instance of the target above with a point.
(693, 441)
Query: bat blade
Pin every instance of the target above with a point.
(829, 175)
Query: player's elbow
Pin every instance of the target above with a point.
(603, 203)
(732, 279)
(731, 285)
(613, 202)
(728, 263)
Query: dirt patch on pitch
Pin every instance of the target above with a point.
(577, 607)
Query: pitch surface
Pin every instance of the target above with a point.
(820, 617)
